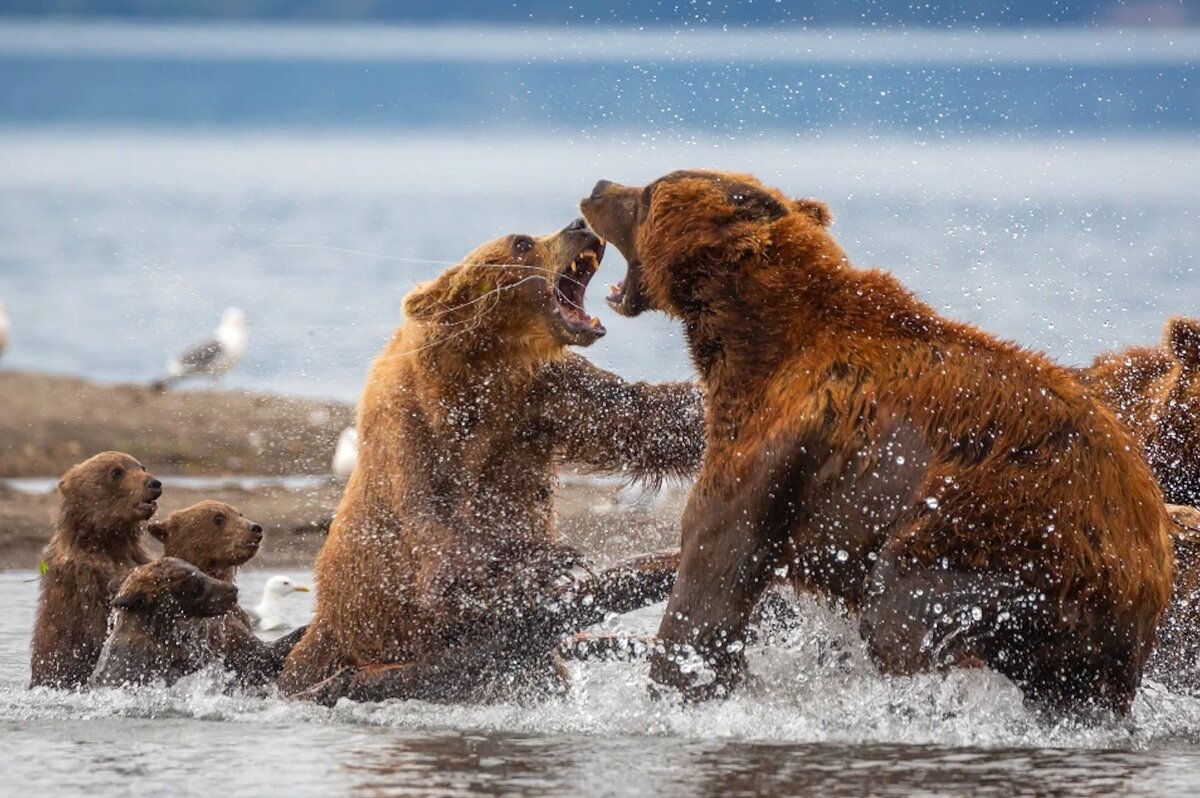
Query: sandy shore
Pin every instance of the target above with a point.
(51, 422)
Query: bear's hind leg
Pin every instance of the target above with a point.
(916, 618)
(312, 660)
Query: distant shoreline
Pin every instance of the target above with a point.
(267, 455)
(53, 422)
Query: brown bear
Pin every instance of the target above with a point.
(97, 540)
(442, 562)
(1155, 391)
(154, 637)
(216, 538)
(963, 495)
(1175, 660)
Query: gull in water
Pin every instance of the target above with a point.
(212, 358)
(4, 327)
(268, 616)
(345, 456)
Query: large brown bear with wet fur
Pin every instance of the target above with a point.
(964, 496)
(97, 540)
(218, 539)
(1155, 391)
(442, 556)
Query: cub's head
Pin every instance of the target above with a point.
(682, 229)
(528, 289)
(1174, 446)
(173, 588)
(108, 492)
(211, 535)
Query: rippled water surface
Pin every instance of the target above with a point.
(815, 718)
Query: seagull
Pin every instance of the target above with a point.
(4, 326)
(345, 456)
(268, 616)
(213, 357)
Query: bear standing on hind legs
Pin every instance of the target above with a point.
(97, 540)
(442, 578)
(967, 498)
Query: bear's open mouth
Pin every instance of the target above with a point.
(148, 506)
(571, 284)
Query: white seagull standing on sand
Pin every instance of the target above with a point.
(3, 329)
(215, 356)
(345, 456)
(268, 616)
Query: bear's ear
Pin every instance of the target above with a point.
(1183, 336)
(131, 600)
(753, 203)
(158, 530)
(429, 301)
(816, 209)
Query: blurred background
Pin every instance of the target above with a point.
(1029, 165)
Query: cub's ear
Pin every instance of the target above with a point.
(432, 300)
(158, 530)
(818, 210)
(135, 599)
(753, 203)
(1183, 336)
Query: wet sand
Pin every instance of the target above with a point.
(51, 422)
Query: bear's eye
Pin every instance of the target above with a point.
(219, 519)
(522, 244)
(117, 473)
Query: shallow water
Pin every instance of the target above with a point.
(814, 717)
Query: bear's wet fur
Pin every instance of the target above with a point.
(967, 498)
(442, 557)
(155, 636)
(216, 538)
(1175, 660)
(1155, 391)
(98, 538)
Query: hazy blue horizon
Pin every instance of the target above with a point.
(1043, 83)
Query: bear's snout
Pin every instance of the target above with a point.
(600, 188)
(256, 530)
(154, 484)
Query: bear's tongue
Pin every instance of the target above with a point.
(570, 288)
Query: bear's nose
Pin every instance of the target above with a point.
(154, 484)
(601, 187)
(577, 225)
(256, 529)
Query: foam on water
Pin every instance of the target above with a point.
(812, 685)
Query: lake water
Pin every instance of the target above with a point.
(1042, 185)
(816, 719)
